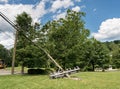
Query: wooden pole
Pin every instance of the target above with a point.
(14, 53)
(14, 50)
(56, 63)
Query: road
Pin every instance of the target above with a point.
(7, 72)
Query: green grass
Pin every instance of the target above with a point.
(89, 80)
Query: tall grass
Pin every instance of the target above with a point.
(89, 80)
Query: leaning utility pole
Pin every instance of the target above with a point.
(14, 53)
(17, 28)
(14, 50)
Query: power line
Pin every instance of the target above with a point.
(17, 28)
(6, 34)
(10, 45)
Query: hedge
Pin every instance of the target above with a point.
(39, 71)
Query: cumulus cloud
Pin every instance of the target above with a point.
(14, 9)
(8, 39)
(5, 1)
(61, 4)
(78, 0)
(58, 16)
(37, 11)
(11, 11)
(6, 34)
(76, 8)
(109, 30)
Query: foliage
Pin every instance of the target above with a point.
(116, 58)
(114, 48)
(24, 22)
(28, 54)
(24, 53)
(96, 55)
(5, 55)
(39, 71)
(65, 38)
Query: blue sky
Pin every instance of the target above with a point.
(99, 10)
(102, 16)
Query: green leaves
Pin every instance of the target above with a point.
(114, 48)
(66, 37)
(97, 54)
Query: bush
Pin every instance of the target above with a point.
(113, 66)
(39, 71)
(87, 68)
(48, 70)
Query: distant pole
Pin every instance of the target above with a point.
(14, 53)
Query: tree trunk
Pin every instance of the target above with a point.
(103, 70)
(93, 66)
(22, 69)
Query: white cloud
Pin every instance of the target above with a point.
(76, 8)
(58, 16)
(78, 0)
(109, 30)
(61, 4)
(5, 1)
(11, 12)
(35, 11)
(7, 39)
(6, 34)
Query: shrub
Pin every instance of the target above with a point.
(87, 68)
(39, 71)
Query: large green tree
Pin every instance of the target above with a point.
(116, 58)
(96, 54)
(114, 50)
(65, 38)
(26, 29)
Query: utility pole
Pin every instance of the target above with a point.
(17, 28)
(14, 53)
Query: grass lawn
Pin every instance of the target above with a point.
(89, 80)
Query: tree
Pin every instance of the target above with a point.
(5, 55)
(65, 38)
(116, 58)
(24, 21)
(114, 50)
(97, 54)
(116, 54)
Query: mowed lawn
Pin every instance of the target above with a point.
(89, 80)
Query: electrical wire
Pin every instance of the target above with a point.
(6, 34)
(17, 28)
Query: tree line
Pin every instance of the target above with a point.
(66, 40)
